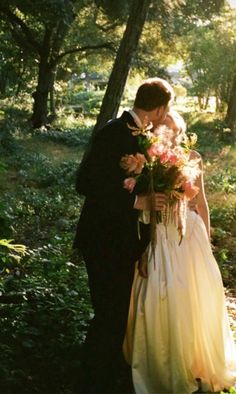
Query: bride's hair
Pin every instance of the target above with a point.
(178, 123)
(153, 93)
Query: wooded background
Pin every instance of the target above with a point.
(66, 67)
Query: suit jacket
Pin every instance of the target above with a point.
(108, 221)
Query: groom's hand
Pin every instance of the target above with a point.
(155, 201)
(158, 201)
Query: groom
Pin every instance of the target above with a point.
(108, 238)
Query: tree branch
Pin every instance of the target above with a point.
(20, 40)
(16, 21)
(106, 45)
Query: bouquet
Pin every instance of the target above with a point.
(162, 167)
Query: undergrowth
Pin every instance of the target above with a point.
(44, 300)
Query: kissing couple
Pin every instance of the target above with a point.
(160, 323)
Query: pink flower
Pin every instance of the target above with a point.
(164, 158)
(155, 150)
(190, 190)
(173, 158)
(129, 184)
(168, 156)
(133, 163)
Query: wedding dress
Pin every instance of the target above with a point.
(178, 332)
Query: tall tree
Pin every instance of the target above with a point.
(40, 28)
(202, 50)
(43, 39)
(128, 46)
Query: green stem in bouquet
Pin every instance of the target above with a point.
(153, 219)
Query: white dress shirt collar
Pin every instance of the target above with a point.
(136, 118)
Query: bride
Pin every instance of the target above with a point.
(178, 337)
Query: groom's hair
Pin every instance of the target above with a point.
(153, 93)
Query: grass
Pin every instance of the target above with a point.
(57, 152)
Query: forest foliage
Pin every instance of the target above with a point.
(64, 51)
(50, 44)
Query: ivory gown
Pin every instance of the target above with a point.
(178, 328)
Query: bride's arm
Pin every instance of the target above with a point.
(201, 201)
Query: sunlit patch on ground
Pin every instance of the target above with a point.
(231, 306)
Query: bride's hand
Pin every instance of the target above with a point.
(142, 265)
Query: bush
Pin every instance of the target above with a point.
(43, 317)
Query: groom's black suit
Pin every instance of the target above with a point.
(108, 238)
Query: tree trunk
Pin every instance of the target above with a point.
(206, 101)
(52, 106)
(200, 102)
(52, 102)
(231, 112)
(118, 77)
(40, 96)
(217, 101)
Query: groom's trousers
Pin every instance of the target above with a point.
(103, 365)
